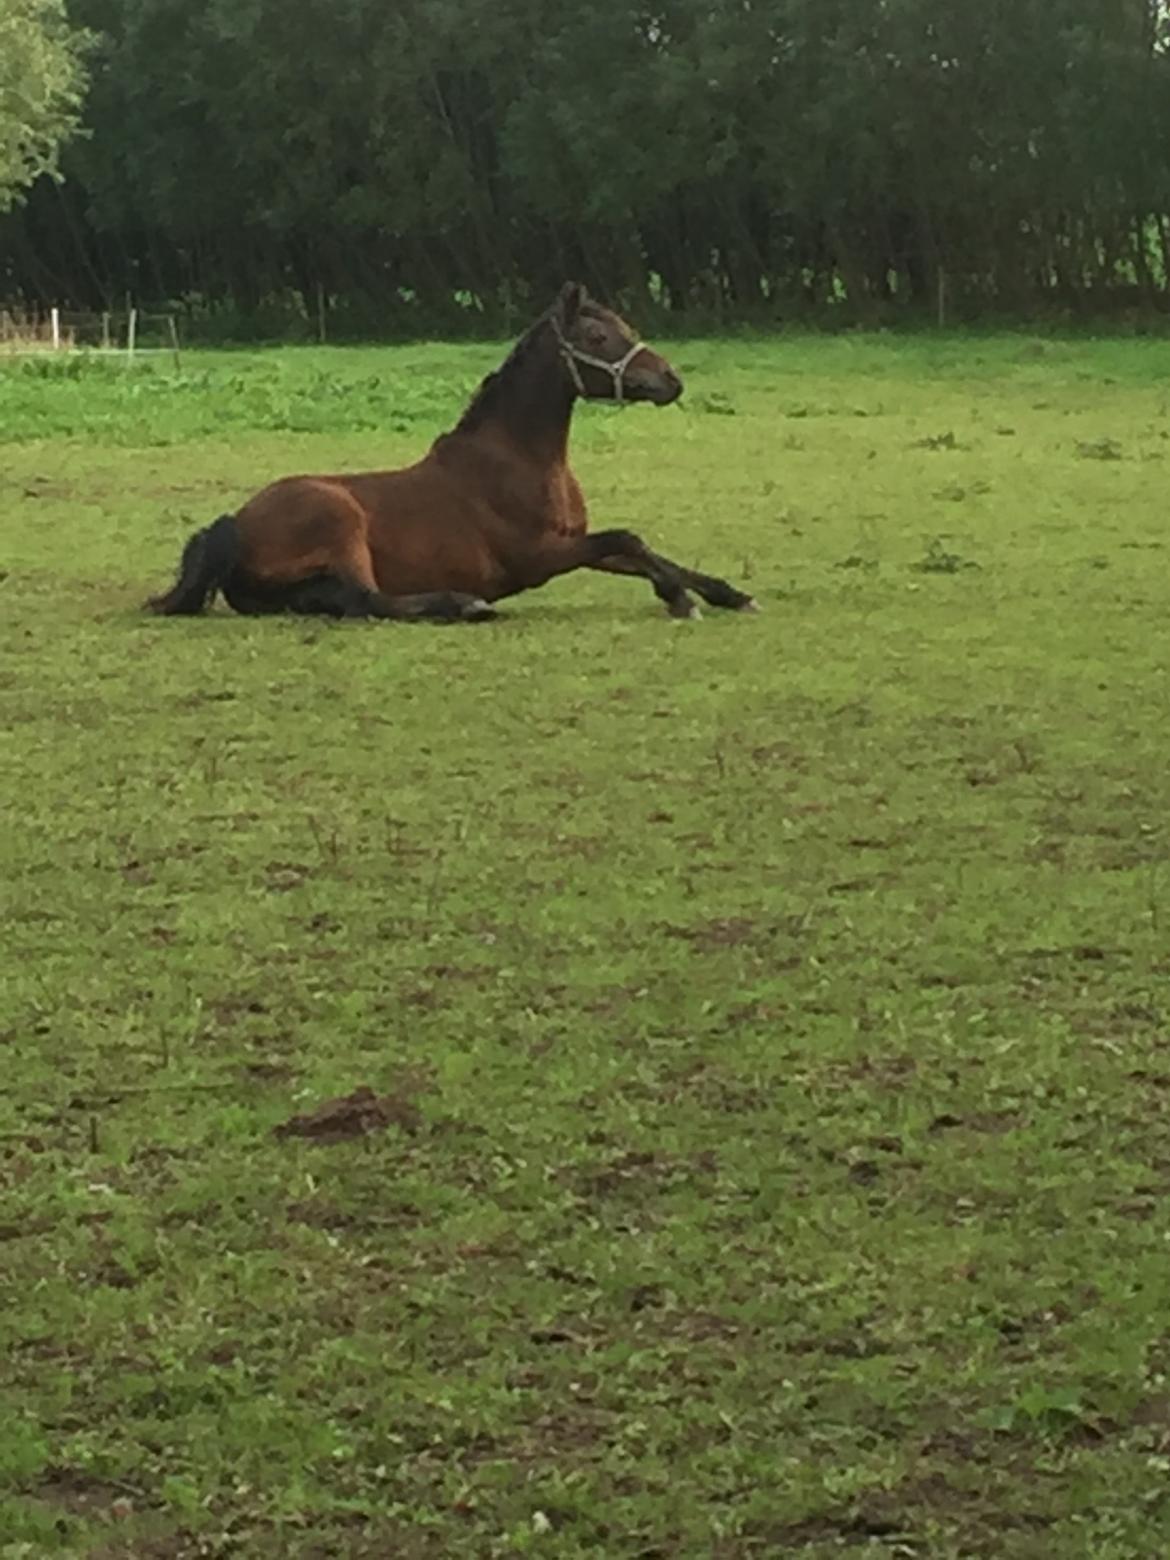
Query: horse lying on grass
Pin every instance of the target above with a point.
(492, 509)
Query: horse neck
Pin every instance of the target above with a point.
(536, 409)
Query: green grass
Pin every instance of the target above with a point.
(771, 1010)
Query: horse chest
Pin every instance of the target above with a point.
(526, 502)
(566, 512)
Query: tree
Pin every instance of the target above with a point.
(427, 163)
(41, 87)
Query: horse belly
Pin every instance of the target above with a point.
(412, 561)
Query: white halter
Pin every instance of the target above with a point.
(572, 355)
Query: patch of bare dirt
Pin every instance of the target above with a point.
(355, 1115)
(77, 1491)
(975, 1121)
(634, 1168)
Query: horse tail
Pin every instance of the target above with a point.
(209, 558)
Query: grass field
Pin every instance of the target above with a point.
(767, 1016)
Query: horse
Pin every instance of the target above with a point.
(492, 509)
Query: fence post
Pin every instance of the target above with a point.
(55, 326)
(174, 335)
(131, 333)
(105, 332)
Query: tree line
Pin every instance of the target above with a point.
(443, 161)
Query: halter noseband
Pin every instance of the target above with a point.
(572, 355)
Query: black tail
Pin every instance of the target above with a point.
(208, 559)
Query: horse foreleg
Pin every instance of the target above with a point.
(622, 552)
(714, 591)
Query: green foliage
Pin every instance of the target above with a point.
(774, 1007)
(872, 159)
(41, 82)
(87, 395)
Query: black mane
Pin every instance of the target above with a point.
(498, 385)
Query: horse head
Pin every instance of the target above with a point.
(603, 357)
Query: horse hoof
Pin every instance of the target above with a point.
(477, 611)
(749, 604)
(689, 614)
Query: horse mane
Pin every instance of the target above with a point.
(500, 383)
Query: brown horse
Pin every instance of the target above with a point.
(491, 510)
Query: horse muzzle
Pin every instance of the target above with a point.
(660, 386)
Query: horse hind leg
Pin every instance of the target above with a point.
(339, 596)
(433, 606)
(351, 589)
(352, 593)
(441, 606)
(335, 578)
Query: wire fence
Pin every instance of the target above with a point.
(130, 333)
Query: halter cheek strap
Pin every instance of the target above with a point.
(572, 356)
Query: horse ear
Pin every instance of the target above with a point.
(572, 296)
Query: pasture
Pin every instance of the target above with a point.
(765, 1017)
